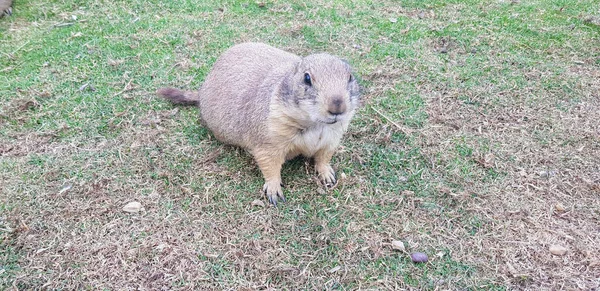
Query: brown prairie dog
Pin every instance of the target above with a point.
(277, 106)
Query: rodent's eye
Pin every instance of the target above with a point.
(351, 78)
(307, 79)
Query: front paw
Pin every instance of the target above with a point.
(273, 191)
(326, 175)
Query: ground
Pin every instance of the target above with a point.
(478, 144)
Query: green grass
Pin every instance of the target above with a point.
(465, 102)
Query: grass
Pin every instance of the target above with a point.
(478, 144)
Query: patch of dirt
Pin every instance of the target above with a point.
(549, 156)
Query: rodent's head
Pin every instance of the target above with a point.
(323, 87)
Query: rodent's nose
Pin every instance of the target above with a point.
(337, 106)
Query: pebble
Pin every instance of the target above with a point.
(558, 250)
(419, 257)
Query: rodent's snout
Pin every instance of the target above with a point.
(336, 106)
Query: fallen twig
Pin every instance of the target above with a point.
(127, 88)
(402, 129)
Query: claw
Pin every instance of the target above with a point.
(282, 198)
(329, 184)
(273, 201)
(273, 192)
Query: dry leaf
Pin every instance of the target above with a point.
(398, 245)
(258, 202)
(133, 207)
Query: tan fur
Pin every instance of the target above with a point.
(256, 97)
(5, 7)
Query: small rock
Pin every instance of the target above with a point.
(546, 174)
(258, 202)
(402, 179)
(393, 20)
(558, 250)
(133, 207)
(418, 257)
(343, 176)
(559, 207)
(398, 245)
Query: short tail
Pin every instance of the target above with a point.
(178, 96)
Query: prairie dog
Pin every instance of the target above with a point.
(5, 7)
(277, 106)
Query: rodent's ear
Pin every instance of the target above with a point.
(347, 64)
(356, 90)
